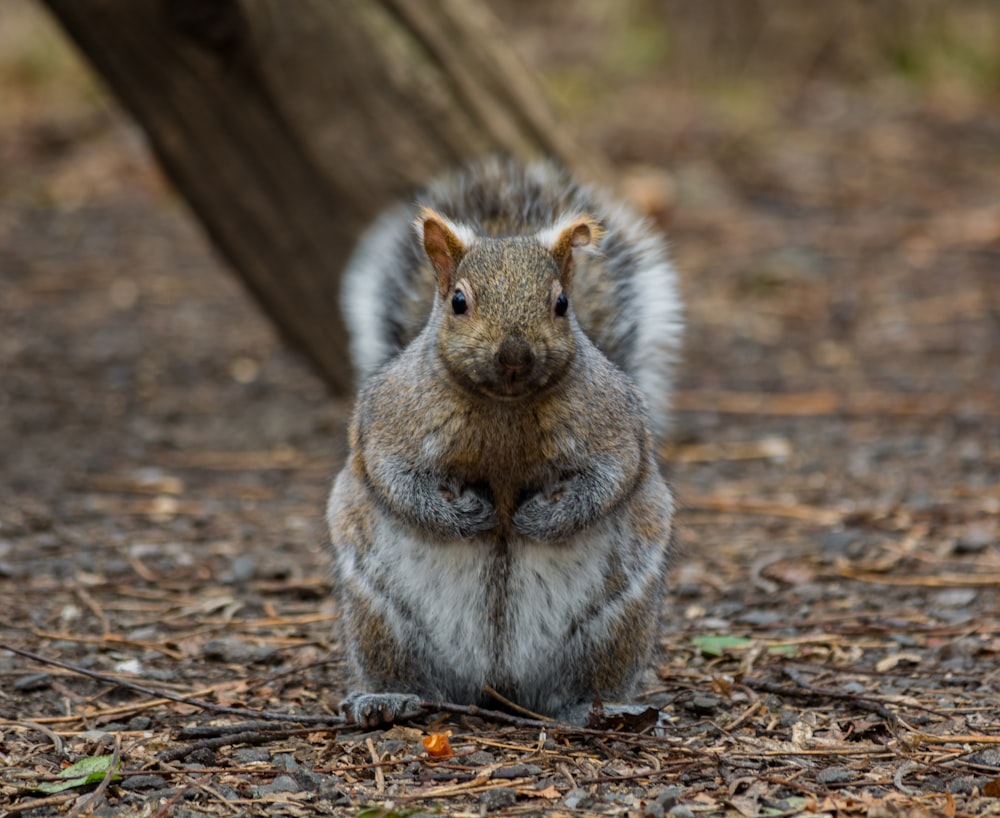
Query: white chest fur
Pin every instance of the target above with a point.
(487, 613)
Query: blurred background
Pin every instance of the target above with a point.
(828, 176)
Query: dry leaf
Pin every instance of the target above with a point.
(437, 745)
(890, 662)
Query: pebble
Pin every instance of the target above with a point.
(955, 598)
(285, 761)
(577, 798)
(311, 781)
(251, 755)
(101, 738)
(517, 771)
(835, 775)
(759, 617)
(390, 747)
(203, 756)
(842, 543)
(668, 797)
(967, 784)
(241, 570)
(988, 758)
(281, 783)
(238, 652)
(498, 798)
(974, 542)
(703, 703)
(33, 681)
(144, 782)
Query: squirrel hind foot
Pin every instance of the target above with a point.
(376, 709)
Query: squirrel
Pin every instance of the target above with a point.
(501, 523)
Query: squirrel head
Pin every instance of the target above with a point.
(505, 326)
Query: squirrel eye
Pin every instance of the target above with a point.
(458, 303)
(562, 304)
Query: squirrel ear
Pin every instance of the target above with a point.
(561, 238)
(443, 247)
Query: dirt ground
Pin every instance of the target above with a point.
(832, 631)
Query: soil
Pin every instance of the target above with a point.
(832, 630)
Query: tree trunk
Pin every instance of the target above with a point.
(288, 125)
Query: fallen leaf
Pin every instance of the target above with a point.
(719, 645)
(627, 722)
(437, 745)
(83, 772)
(890, 662)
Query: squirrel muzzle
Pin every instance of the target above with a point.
(514, 361)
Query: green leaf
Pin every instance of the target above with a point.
(720, 645)
(85, 771)
(375, 811)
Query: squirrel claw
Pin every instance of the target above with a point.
(547, 515)
(469, 512)
(375, 709)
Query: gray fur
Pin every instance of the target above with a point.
(501, 519)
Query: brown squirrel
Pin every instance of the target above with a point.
(501, 520)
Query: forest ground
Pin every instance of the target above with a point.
(832, 628)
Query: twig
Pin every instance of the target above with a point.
(489, 691)
(167, 807)
(746, 714)
(41, 728)
(764, 508)
(379, 772)
(493, 715)
(213, 744)
(897, 778)
(931, 581)
(38, 803)
(217, 730)
(824, 403)
(807, 689)
(550, 726)
(162, 694)
(109, 639)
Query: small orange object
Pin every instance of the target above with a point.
(437, 745)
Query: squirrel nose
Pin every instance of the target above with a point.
(515, 355)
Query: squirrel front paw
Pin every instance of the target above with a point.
(374, 709)
(548, 515)
(466, 511)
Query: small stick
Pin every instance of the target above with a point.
(38, 803)
(379, 772)
(513, 705)
(807, 689)
(162, 694)
(244, 737)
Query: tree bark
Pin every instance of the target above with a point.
(288, 125)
